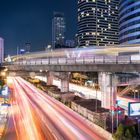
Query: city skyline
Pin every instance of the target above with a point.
(30, 21)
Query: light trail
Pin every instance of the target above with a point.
(20, 116)
(64, 123)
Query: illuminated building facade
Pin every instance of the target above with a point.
(1, 50)
(70, 43)
(58, 29)
(129, 21)
(97, 22)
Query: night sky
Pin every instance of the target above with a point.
(23, 21)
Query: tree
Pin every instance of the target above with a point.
(125, 132)
(119, 133)
(128, 134)
(133, 130)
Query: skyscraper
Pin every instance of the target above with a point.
(1, 50)
(27, 47)
(97, 22)
(58, 30)
(129, 21)
(70, 43)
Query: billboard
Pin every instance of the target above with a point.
(4, 90)
(134, 109)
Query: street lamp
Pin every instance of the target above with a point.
(136, 91)
(41, 74)
(111, 101)
(96, 104)
(96, 98)
(3, 74)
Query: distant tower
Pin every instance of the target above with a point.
(27, 47)
(1, 50)
(58, 30)
(70, 43)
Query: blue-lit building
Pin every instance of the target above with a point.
(129, 21)
(97, 22)
(58, 30)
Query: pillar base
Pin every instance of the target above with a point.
(108, 84)
(49, 78)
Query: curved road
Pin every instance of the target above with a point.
(37, 116)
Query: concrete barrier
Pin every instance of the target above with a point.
(92, 118)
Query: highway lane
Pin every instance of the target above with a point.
(10, 131)
(21, 123)
(63, 123)
(36, 116)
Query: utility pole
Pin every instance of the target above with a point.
(96, 99)
(112, 104)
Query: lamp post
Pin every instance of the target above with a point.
(96, 103)
(96, 99)
(41, 74)
(96, 88)
(136, 93)
(112, 112)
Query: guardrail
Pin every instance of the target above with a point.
(80, 60)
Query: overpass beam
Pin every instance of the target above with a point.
(64, 81)
(108, 85)
(49, 78)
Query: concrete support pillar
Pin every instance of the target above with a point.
(49, 78)
(108, 85)
(64, 81)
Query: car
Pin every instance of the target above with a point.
(5, 104)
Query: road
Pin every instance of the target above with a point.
(21, 124)
(37, 116)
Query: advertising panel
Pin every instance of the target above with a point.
(134, 109)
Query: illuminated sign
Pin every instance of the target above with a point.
(5, 90)
(134, 109)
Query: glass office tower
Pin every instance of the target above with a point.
(129, 21)
(97, 22)
(58, 29)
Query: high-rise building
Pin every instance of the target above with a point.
(70, 43)
(129, 21)
(58, 30)
(1, 50)
(97, 22)
(27, 47)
